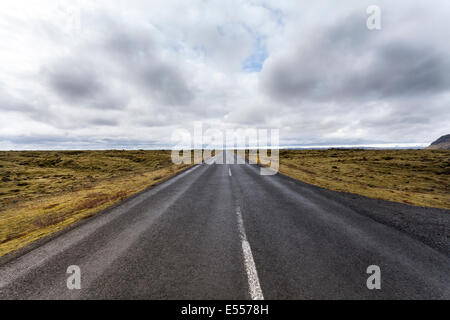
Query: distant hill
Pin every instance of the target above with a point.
(441, 143)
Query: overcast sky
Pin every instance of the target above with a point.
(126, 74)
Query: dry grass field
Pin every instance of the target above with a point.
(417, 177)
(43, 191)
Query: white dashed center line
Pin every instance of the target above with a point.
(229, 171)
(250, 267)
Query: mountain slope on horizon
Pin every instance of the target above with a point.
(441, 143)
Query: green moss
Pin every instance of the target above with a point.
(44, 191)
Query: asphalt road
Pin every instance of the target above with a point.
(226, 232)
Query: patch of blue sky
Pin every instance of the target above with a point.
(277, 13)
(254, 62)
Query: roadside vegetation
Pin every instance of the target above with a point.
(416, 177)
(44, 191)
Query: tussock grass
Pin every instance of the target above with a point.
(417, 177)
(44, 191)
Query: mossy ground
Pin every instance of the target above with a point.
(417, 177)
(44, 191)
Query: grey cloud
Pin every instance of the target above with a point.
(74, 79)
(134, 48)
(9, 102)
(125, 54)
(130, 45)
(41, 139)
(347, 61)
(36, 109)
(104, 122)
(404, 69)
(166, 84)
(72, 142)
(82, 83)
(134, 53)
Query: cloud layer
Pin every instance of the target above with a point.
(106, 75)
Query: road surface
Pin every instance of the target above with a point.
(226, 232)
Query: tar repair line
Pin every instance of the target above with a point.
(252, 275)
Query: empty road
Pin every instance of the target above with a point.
(226, 232)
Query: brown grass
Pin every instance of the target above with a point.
(42, 192)
(417, 177)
